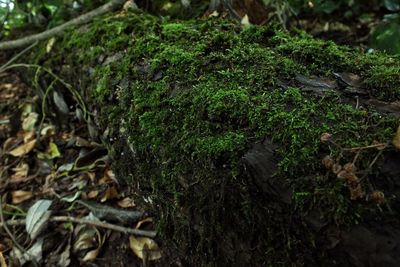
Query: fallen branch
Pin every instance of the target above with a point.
(112, 5)
(105, 225)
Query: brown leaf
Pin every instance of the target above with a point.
(20, 196)
(23, 149)
(145, 247)
(93, 194)
(110, 193)
(21, 172)
(108, 177)
(126, 203)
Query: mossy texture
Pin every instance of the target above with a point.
(187, 100)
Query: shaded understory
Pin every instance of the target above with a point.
(218, 129)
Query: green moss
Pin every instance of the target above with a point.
(192, 97)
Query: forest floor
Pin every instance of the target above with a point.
(47, 163)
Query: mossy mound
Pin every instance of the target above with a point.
(207, 122)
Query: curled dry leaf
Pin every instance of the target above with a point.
(20, 196)
(89, 241)
(23, 149)
(145, 248)
(126, 203)
(143, 222)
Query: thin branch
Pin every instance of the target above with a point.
(17, 56)
(105, 225)
(112, 5)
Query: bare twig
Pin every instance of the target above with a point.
(105, 225)
(366, 147)
(112, 5)
(17, 56)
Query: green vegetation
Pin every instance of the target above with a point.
(186, 101)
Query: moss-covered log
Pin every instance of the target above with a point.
(219, 129)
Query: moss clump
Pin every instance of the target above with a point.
(192, 97)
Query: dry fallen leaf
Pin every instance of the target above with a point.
(145, 247)
(92, 194)
(20, 196)
(2, 260)
(126, 203)
(396, 139)
(21, 172)
(23, 149)
(29, 122)
(110, 193)
(108, 177)
(144, 221)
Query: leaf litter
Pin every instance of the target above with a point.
(58, 189)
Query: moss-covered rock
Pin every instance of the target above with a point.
(209, 125)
